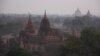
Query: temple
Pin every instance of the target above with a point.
(40, 41)
(88, 14)
(77, 13)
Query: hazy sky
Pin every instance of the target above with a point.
(52, 6)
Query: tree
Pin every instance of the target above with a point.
(91, 41)
(3, 47)
(87, 45)
(18, 52)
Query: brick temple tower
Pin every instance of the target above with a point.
(26, 34)
(40, 41)
(49, 35)
(44, 26)
(30, 29)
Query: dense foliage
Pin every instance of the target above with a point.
(87, 45)
(18, 52)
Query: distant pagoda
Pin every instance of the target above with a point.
(89, 14)
(77, 12)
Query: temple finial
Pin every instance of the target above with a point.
(45, 15)
(45, 12)
(29, 26)
(29, 20)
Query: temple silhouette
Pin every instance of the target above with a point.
(39, 40)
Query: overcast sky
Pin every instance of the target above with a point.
(52, 6)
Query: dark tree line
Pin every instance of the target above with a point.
(87, 45)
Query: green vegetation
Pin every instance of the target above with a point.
(18, 52)
(87, 45)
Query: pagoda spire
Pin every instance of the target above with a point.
(30, 27)
(44, 25)
(45, 15)
(77, 12)
(29, 21)
(88, 13)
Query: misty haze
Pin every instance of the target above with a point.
(49, 28)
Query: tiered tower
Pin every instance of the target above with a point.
(27, 34)
(77, 12)
(44, 26)
(45, 37)
(30, 29)
(88, 13)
